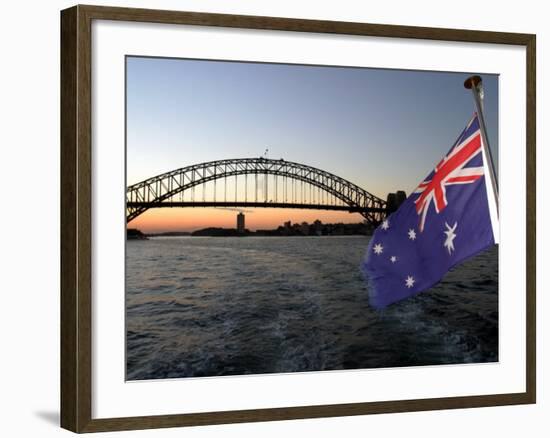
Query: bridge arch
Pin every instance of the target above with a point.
(156, 191)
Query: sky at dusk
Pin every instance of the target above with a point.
(383, 130)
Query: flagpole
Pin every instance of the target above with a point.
(473, 83)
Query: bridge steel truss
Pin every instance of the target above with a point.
(157, 191)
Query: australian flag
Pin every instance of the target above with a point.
(443, 222)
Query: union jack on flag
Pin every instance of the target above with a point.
(445, 221)
(450, 170)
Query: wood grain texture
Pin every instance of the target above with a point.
(84, 217)
(299, 25)
(69, 331)
(338, 410)
(76, 222)
(531, 217)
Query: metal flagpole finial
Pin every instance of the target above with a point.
(475, 84)
(472, 82)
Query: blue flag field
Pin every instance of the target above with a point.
(445, 221)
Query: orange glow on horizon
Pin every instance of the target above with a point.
(191, 219)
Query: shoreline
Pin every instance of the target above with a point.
(155, 236)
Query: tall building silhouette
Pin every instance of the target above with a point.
(240, 223)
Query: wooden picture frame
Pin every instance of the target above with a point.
(76, 218)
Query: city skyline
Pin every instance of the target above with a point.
(383, 130)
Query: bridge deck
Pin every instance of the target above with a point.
(221, 204)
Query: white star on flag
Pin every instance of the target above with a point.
(385, 225)
(393, 259)
(409, 282)
(412, 234)
(450, 233)
(378, 248)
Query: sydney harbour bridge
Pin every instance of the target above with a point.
(256, 182)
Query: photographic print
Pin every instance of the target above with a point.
(286, 218)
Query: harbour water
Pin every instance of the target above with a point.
(210, 306)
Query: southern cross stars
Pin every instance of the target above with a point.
(409, 282)
(393, 259)
(378, 249)
(412, 234)
(450, 233)
(385, 225)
